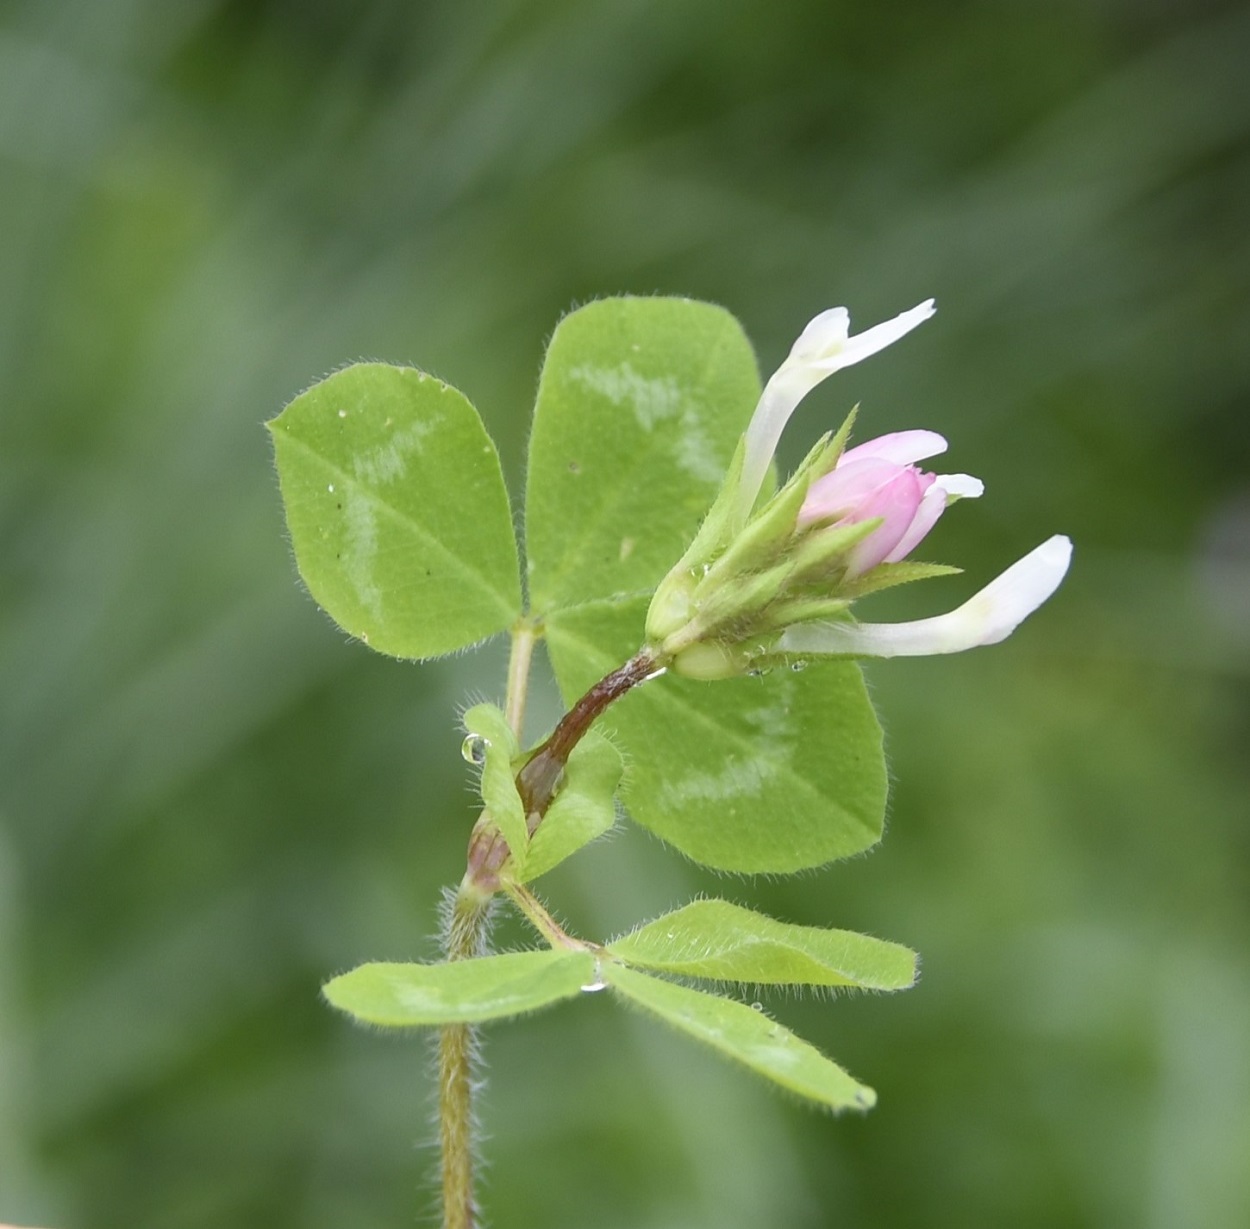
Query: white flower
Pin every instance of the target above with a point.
(986, 618)
(824, 347)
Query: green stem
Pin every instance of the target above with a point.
(465, 938)
(524, 637)
(468, 923)
(542, 921)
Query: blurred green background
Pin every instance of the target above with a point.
(209, 801)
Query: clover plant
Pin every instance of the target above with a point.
(697, 615)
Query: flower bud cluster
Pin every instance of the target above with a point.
(777, 580)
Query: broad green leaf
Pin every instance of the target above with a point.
(746, 1035)
(639, 409)
(725, 942)
(464, 991)
(497, 747)
(584, 808)
(775, 773)
(397, 510)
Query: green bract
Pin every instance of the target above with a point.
(397, 510)
(582, 810)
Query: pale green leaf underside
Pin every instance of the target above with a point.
(639, 408)
(725, 942)
(397, 510)
(775, 773)
(462, 992)
(583, 809)
(746, 1035)
(498, 746)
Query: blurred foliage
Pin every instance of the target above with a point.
(209, 802)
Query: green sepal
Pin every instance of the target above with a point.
(397, 511)
(718, 526)
(733, 608)
(462, 991)
(721, 941)
(745, 1035)
(487, 723)
(584, 807)
(822, 550)
(837, 445)
(803, 610)
(887, 575)
(764, 537)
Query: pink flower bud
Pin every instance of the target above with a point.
(877, 480)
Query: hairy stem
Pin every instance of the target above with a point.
(465, 937)
(468, 921)
(469, 914)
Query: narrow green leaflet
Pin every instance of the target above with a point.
(397, 510)
(583, 809)
(465, 991)
(746, 1035)
(491, 740)
(775, 773)
(639, 409)
(725, 942)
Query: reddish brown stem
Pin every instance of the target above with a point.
(539, 778)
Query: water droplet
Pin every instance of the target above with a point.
(755, 672)
(342, 413)
(330, 488)
(597, 984)
(757, 1006)
(796, 666)
(473, 749)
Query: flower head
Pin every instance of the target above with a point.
(766, 583)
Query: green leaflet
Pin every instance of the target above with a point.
(775, 773)
(725, 942)
(640, 406)
(746, 1035)
(464, 991)
(397, 510)
(583, 809)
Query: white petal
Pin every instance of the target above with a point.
(960, 486)
(879, 336)
(821, 349)
(901, 447)
(986, 618)
(823, 335)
